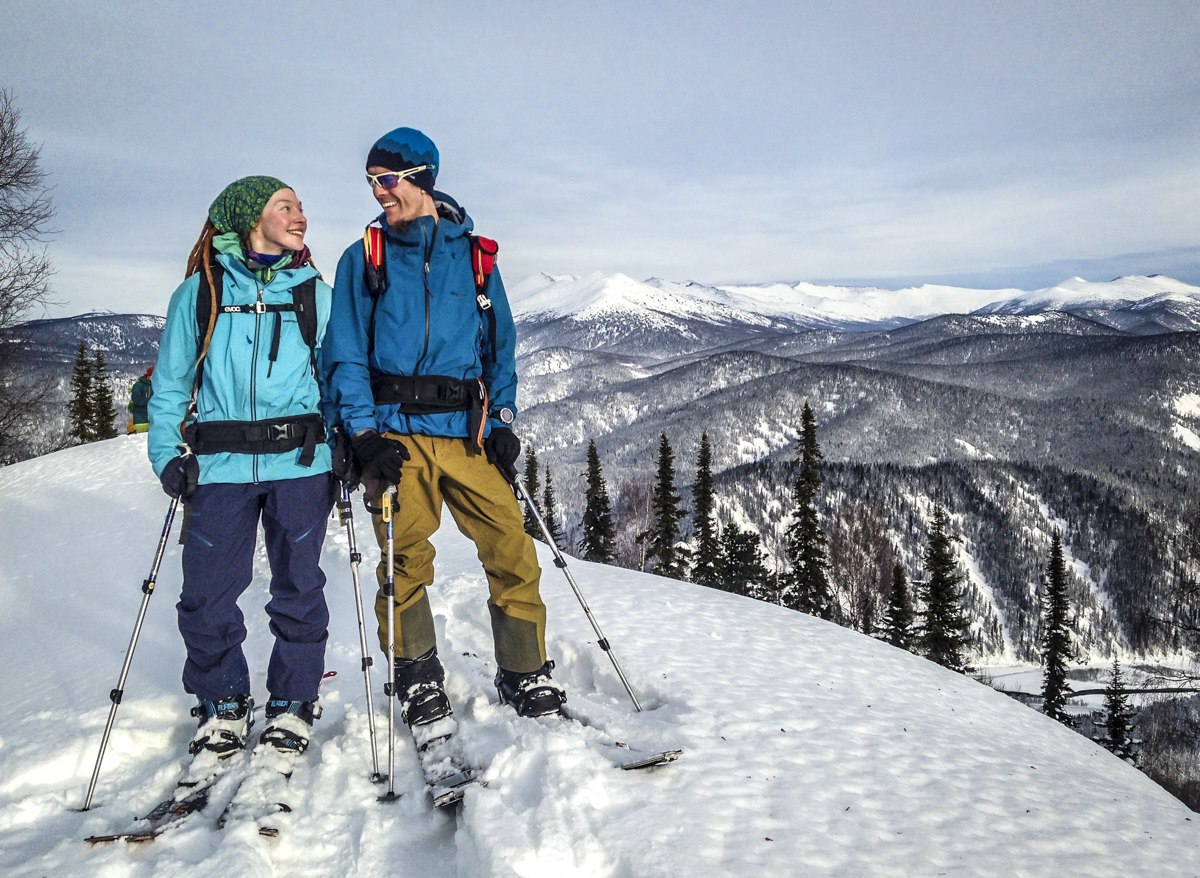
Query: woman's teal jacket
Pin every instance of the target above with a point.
(240, 382)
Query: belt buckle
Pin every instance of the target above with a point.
(278, 432)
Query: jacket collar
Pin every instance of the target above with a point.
(242, 277)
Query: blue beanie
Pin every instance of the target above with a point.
(403, 149)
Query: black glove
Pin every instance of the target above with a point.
(180, 475)
(345, 465)
(502, 448)
(379, 458)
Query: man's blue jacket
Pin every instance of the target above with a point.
(427, 322)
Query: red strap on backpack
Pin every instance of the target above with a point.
(373, 246)
(483, 260)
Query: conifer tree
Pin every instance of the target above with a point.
(1118, 720)
(806, 586)
(550, 511)
(103, 413)
(741, 567)
(533, 490)
(662, 536)
(704, 526)
(1056, 636)
(944, 635)
(898, 621)
(598, 542)
(79, 408)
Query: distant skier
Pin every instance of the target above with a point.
(139, 400)
(423, 377)
(252, 312)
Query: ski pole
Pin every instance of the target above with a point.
(561, 563)
(389, 589)
(116, 694)
(346, 517)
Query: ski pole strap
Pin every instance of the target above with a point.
(273, 436)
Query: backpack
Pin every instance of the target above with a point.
(483, 261)
(208, 308)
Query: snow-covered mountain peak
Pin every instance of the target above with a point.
(806, 304)
(1077, 294)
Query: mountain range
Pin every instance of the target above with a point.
(1074, 408)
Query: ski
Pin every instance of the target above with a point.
(640, 760)
(447, 775)
(166, 814)
(262, 795)
(449, 791)
(627, 757)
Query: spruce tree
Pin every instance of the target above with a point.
(1118, 719)
(598, 542)
(704, 526)
(533, 490)
(663, 534)
(550, 511)
(1056, 636)
(944, 636)
(103, 413)
(898, 621)
(741, 567)
(79, 408)
(806, 586)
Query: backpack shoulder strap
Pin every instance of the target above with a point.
(208, 300)
(304, 301)
(483, 260)
(374, 263)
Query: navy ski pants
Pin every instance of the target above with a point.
(218, 565)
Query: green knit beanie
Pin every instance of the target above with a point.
(240, 205)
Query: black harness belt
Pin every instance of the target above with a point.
(428, 394)
(272, 436)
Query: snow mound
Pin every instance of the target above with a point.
(809, 749)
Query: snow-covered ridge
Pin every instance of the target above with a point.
(846, 757)
(587, 297)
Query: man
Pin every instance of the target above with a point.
(423, 377)
(139, 400)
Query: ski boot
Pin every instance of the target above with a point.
(224, 726)
(532, 693)
(288, 725)
(424, 706)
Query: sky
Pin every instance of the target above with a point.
(892, 143)
(808, 749)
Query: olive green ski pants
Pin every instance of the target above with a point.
(482, 503)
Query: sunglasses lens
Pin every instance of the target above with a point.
(387, 181)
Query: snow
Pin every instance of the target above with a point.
(1186, 436)
(809, 749)
(1188, 405)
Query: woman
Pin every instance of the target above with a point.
(235, 432)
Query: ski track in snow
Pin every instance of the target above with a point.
(809, 749)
